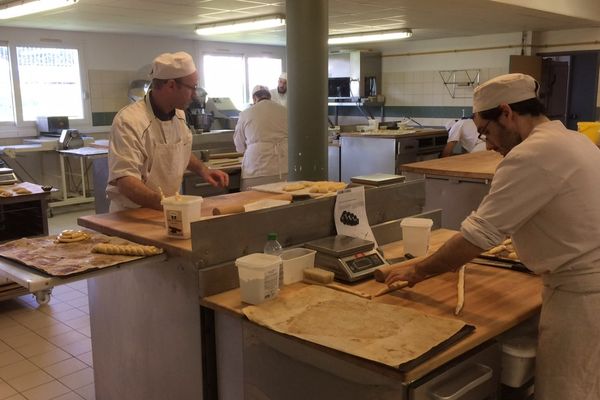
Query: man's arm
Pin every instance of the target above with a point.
(453, 254)
(215, 177)
(448, 149)
(136, 191)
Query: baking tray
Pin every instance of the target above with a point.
(378, 179)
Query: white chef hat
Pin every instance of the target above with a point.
(172, 66)
(283, 76)
(259, 88)
(504, 89)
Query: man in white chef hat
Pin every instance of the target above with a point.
(545, 196)
(261, 133)
(279, 94)
(150, 143)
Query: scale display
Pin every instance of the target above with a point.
(350, 259)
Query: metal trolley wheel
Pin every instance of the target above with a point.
(43, 296)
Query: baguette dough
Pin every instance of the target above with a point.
(293, 187)
(21, 190)
(126, 250)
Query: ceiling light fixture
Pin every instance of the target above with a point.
(376, 36)
(20, 8)
(241, 25)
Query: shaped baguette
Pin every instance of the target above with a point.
(126, 249)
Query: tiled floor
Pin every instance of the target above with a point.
(46, 351)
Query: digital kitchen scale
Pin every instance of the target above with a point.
(349, 258)
(7, 176)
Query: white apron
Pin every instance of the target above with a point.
(264, 160)
(169, 161)
(568, 357)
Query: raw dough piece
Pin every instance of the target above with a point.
(5, 193)
(70, 236)
(126, 250)
(21, 190)
(293, 187)
(460, 286)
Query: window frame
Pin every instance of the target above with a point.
(22, 128)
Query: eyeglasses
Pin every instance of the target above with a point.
(192, 88)
(483, 133)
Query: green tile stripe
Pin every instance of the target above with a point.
(103, 118)
(407, 111)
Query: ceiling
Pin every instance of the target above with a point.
(429, 19)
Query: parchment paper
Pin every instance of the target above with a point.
(63, 259)
(384, 333)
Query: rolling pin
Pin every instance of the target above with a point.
(239, 208)
(382, 272)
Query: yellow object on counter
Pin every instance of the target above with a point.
(591, 130)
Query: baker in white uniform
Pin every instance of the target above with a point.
(261, 134)
(463, 132)
(545, 196)
(279, 94)
(150, 144)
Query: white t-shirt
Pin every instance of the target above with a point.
(279, 98)
(465, 133)
(262, 134)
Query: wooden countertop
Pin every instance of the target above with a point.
(147, 226)
(477, 165)
(496, 300)
(396, 134)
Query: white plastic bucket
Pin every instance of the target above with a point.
(518, 360)
(259, 277)
(180, 211)
(415, 235)
(295, 261)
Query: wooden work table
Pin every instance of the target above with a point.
(496, 300)
(477, 165)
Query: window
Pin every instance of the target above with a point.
(263, 71)
(225, 76)
(7, 111)
(50, 82)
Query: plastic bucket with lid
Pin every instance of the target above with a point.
(259, 277)
(180, 211)
(415, 235)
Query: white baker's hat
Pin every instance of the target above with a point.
(283, 76)
(172, 66)
(259, 88)
(504, 89)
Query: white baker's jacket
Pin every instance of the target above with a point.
(261, 134)
(465, 132)
(546, 195)
(154, 151)
(278, 97)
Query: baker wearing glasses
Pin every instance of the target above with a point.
(150, 143)
(545, 196)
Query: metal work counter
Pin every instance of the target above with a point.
(488, 306)
(455, 184)
(158, 333)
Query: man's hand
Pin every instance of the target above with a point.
(408, 274)
(215, 177)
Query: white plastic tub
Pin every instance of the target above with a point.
(259, 277)
(295, 261)
(415, 235)
(518, 360)
(180, 211)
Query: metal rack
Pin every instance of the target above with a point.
(460, 82)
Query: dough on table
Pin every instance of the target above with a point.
(70, 236)
(126, 249)
(293, 187)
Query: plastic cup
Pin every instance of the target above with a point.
(415, 235)
(180, 211)
(259, 277)
(295, 261)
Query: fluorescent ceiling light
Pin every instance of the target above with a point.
(370, 36)
(20, 8)
(241, 25)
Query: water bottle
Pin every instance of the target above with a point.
(274, 248)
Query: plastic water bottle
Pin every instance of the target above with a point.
(274, 248)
